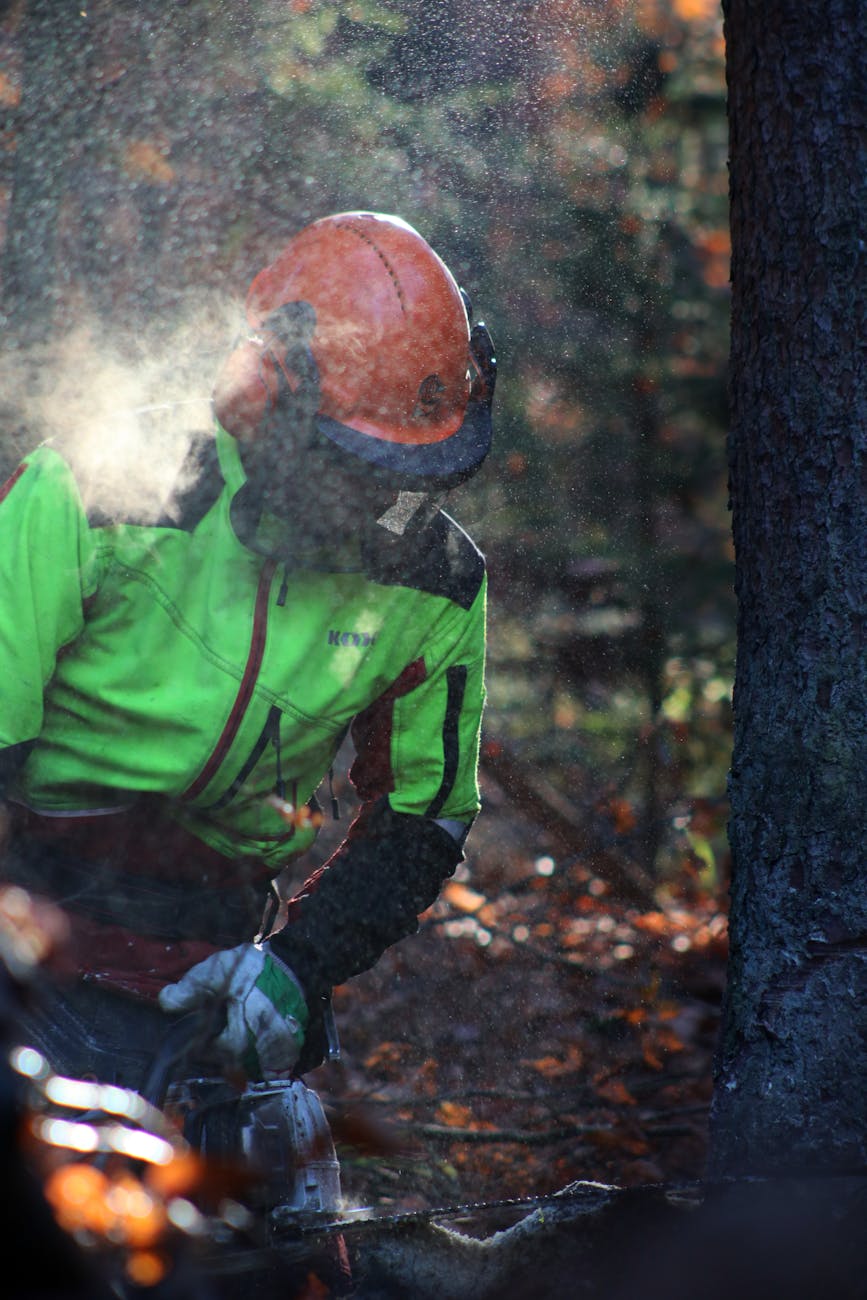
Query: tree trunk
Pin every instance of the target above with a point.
(791, 1085)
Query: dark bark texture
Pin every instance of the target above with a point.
(791, 1085)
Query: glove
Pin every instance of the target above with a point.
(266, 1014)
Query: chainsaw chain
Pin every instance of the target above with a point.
(289, 1225)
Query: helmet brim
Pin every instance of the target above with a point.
(421, 466)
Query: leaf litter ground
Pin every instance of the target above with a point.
(537, 1031)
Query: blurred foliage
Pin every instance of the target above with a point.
(568, 160)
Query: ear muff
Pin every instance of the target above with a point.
(484, 365)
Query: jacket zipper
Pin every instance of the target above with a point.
(245, 690)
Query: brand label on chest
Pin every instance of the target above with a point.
(357, 639)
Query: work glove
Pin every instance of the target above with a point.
(266, 1014)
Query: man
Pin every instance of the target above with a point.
(174, 693)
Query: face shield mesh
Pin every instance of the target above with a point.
(316, 497)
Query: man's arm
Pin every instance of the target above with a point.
(370, 893)
(47, 564)
(417, 773)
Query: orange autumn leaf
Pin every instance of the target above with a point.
(453, 1115)
(696, 10)
(668, 1010)
(652, 922)
(544, 1064)
(386, 1054)
(650, 1057)
(464, 899)
(144, 160)
(10, 93)
(668, 1040)
(616, 1091)
(552, 1067)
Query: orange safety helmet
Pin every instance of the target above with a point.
(359, 331)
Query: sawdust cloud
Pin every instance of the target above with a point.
(125, 412)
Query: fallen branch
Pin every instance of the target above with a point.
(530, 1138)
(541, 1098)
(574, 833)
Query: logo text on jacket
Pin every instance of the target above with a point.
(351, 638)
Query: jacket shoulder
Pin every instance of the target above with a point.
(199, 483)
(445, 562)
(44, 460)
(42, 473)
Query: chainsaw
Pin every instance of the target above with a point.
(288, 1220)
(277, 1130)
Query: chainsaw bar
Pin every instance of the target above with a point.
(288, 1226)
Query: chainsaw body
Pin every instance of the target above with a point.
(277, 1130)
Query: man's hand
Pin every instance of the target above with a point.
(266, 1014)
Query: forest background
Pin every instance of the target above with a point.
(567, 158)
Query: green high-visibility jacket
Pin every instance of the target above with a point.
(174, 662)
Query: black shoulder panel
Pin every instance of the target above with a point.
(200, 471)
(442, 561)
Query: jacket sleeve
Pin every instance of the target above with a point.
(368, 895)
(418, 744)
(47, 571)
(417, 765)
